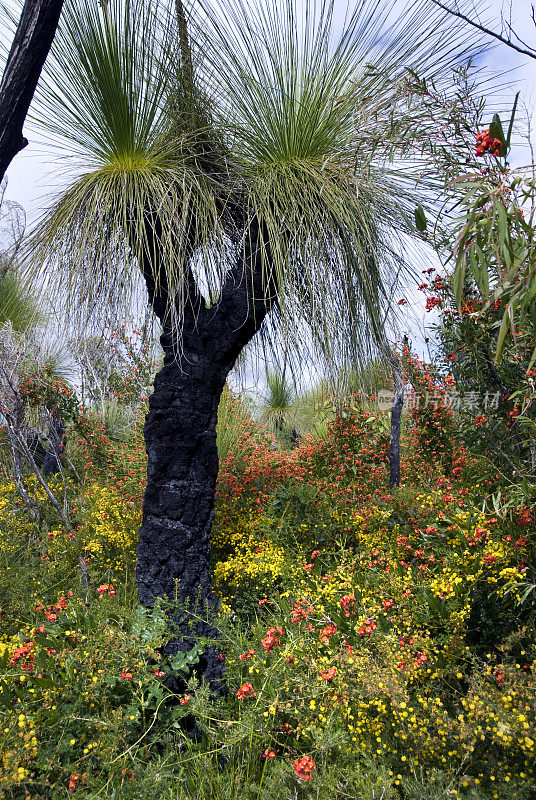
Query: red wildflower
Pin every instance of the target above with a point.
(272, 638)
(432, 302)
(499, 676)
(246, 690)
(327, 632)
(348, 604)
(106, 588)
(25, 654)
(367, 628)
(303, 768)
(301, 611)
(329, 674)
(487, 144)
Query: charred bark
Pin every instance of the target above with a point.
(396, 421)
(33, 38)
(180, 438)
(56, 438)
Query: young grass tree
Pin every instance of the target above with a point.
(242, 168)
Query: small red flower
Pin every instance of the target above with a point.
(329, 674)
(487, 144)
(327, 632)
(246, 690)
(106, 588)
(303, 767)
(367, 628)
(272, 638)
(348, 604)
(432, 302)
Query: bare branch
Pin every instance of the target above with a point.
(531, 53)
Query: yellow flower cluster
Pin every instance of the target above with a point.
(254, 565)
(110, 532)
(375, 645)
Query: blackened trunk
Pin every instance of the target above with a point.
(35, 32)
(180, 438)
(396, 422)
(178, 507)
(56, 437)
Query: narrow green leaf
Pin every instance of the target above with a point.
(511, 125)
(503, 330)
(502, 222)
(496, 130)
(458, 280)
(420, 219)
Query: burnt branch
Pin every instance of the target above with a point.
(30, 48)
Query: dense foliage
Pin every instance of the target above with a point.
(376, 644)
(373, 643)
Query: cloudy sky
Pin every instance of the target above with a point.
(31, 174)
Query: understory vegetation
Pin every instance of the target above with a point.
(326, 591)
(376, 644)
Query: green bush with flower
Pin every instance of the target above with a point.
(376, 644)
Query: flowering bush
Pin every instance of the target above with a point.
(110, 530)
(369, 639)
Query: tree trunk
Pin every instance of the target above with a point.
(180, 438)
(178, 507)
(396, 420)
(56, 438)
(33, 38)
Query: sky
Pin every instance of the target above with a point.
(33, 177)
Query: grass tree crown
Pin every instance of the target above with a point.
(183, 127)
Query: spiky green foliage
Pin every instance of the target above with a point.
(107, 100)
(234, 421)
(278, 410)
(279, 113)
(17, 305)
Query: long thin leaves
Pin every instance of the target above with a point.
(283, 112)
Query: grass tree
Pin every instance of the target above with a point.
(243, 169)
